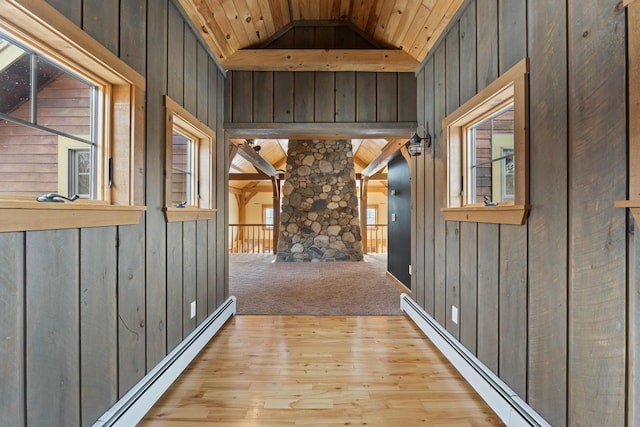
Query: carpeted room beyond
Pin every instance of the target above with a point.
(262, 286)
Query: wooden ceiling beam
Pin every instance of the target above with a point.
(390, 130)
(249, 154)
(373, 60)
(251, 177)
(388, 152)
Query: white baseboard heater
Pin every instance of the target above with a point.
(509, 407)
(134, 405)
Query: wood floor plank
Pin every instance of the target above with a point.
(320, 370)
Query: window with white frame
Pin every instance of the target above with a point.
(70, 122)
(486, 153)
(189, 160)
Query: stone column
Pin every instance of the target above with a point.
(320, 219)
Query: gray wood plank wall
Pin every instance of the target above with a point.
(543, 305)
(86, 313)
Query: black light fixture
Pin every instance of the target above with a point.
(415, 146)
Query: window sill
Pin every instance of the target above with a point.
(516, 215)
(31, 215)
(188, 214)
(632, 205)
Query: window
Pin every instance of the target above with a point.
(372, 216)
(487, 155)
(267, 216)
(189, 148)
(71, 122)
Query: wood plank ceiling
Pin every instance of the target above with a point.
(235, 31)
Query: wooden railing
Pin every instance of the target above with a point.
(250, 238)
(376, 239)
(258, 239)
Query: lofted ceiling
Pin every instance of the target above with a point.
(237, 30)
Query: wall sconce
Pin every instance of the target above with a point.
(415, 146)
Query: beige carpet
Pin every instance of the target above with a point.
(263, 286)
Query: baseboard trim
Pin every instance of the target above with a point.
(509, 407)
(133, 406)
(398, 283)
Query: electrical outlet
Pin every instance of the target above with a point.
(409, 269)
(454, 314)
(193, 309)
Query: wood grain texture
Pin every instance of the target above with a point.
(324, 97)
(202, 80)
(189, 277)
(202, 272)
(175, 57)
(365, 107)
(215, 80)
(487, 36)
(174, 285)
(345, 97)
(98, 320)
(418, 225)
(311, 371)
(52, 366)
(387, 89)
(263, 94)
(512, 24)
(156, 228)
(469, 285)
(633, 350)
(597, 291)
(222, 185)
(440, 238)
(303, 96)
(512, 307)
(133, 31)
(242, 96)
(468, 53)
(429, 192)
(488, 294)
(131, 306)
(72, 9)
(283, 103)
(12, 300)
(407, 97)
(100, 21)
(548, 238)
(190, 76)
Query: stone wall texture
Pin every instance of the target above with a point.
(320, 219)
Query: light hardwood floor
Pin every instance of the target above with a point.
(320, 371)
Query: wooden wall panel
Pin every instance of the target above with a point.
(468, 231)
(133, 29)
(131, 306)
(324, 97)
(512, 24)
(283, 103)
(452, 228)
(100, 20)
(512, 336)
(190, 73)
(215, 78)
(202, 273)
(633, 387)
(488, 294)
(597, 293)
(202, 89)
(222, 185)
(429, 192)
(345, 97)
(175, 55)
(487, 36)
(303, 96)
(98, 320)
(12, 299)
(440, 236)
(365, 105)
(243, 96)
(52, 328)
(174, 285)
(189, 277)
(407, 97)
(156, 231)
(263, 95)
(547, 385)
(418, 202)
(387, 87)
(72, 9)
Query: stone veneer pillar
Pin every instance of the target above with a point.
(319, 220)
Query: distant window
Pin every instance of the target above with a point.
(79, 167)
(184, 185)
(267, 216)
(372, 216)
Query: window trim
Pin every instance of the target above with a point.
(512, 86)
(206, 140)
(46, 31)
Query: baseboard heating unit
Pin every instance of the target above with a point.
(133, 406)
(509, 407)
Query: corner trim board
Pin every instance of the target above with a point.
(507, 405)
(134, 405)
